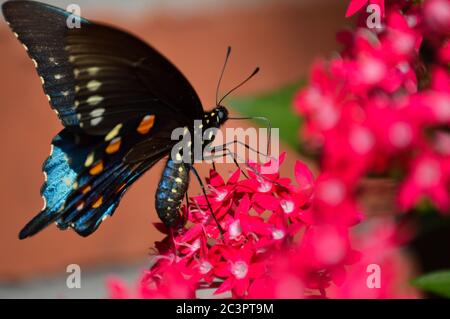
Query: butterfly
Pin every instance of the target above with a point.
(119, 101)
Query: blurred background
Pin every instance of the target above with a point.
(282, 37)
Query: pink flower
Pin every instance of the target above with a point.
(239, 267)
(382, 103)
(437, 15)
(171, 285)
(429, 178)
(383, 271)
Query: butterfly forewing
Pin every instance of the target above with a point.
(95, 76)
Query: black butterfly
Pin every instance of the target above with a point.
(119, 100)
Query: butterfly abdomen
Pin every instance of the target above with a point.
(170, 193)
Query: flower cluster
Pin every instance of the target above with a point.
(382, 107)
(279, 240)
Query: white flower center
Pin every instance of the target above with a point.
(287, 206)
(235, 229)
(277, 234)
(205, 267)
(361, 140)
(239, 269)
(400, 134)
(428, 173)
(264, 186)
(332, 192)
(195, 245)
(221, 195)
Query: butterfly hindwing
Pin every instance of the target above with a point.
(86, 175)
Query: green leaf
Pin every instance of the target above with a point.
(436, 282)
(277, 107)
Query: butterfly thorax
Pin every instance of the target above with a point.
(205, 133)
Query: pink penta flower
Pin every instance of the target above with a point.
(238, 268)
(383, 269)
(437, 16)
(429, 178)
(169, 285)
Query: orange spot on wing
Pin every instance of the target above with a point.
(113, 146)
(146, 124)
(97, 168)
(121, 187)
(86, 189)
(98, 202)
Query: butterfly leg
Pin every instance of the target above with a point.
(235, 141)
(227, 152)
(235, 157)
(207, 199)
(187, 205)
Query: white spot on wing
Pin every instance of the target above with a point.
(96, 120)
(93, 70)
(94, 100)
(97, 112)
(80, 207)
(97, 116)
(93, 85)
(45, 203)
(89, 160)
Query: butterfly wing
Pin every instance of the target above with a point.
(118, 98)
(86, 178)
(95, 76)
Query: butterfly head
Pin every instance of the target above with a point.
(216, 117)
(222, 114)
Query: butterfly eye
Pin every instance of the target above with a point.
(222, 113)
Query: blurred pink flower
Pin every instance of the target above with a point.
(383, 271)
(429, 178)
(384, 103)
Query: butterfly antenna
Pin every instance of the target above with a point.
(221, 73)
(239, 85)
